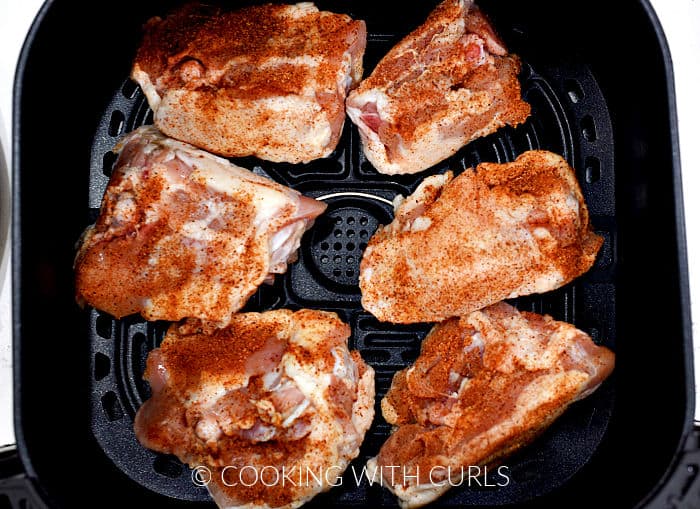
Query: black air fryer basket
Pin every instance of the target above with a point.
(600, 85)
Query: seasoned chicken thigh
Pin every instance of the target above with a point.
(272, 393)
(447, 83)
(267, 80)
(497, 232)
(483, 386)
(182, 233)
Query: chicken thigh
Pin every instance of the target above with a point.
(182, 233)
(273, 393)
(447, 83)
(483, 386)
(497, 232)
(267, 80)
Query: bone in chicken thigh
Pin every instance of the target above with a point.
(495, 232)
(265, 80)
(483, 386)
(273, 392)
(182, 233)
(447, 83)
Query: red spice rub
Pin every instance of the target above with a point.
(272, 391)
(484, 385)
(234, 81)
(493, 233)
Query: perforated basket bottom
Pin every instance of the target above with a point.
(569, 116)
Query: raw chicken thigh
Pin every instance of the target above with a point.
(272, 393)
(182, 233)
(483, 386)
(266, 80)
(493, 233)
(447, 83)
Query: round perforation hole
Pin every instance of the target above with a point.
(588, 128)
(335, 247)
(108, 163)
(112, 406)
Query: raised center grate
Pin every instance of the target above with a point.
(341, 234)
(569, 116)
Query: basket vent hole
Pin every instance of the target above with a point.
(363, 246)
(350, 233)
(116, 123)
(112, 407)
(324, 259)
(129, 89)
(338, 233)
(103, 326)
(108, 163)
(349, 273)
(5, 502)
(102, 366)
(337, 246)
(588, 128)
(324, 246)
(364, 221)
(350, 246)
(592, 170)
(350, 220)
(573, 90)
(167, 466)
(364, 234)
(337, 272)
(350, 259)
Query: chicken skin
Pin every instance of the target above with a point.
(182, 233)
(497, 232)
(272, 393)
(483, 386)
(447, 83)
(267, 80)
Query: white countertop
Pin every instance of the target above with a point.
(15, 19)
(681, 22)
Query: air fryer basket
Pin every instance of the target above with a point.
(599, 98)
